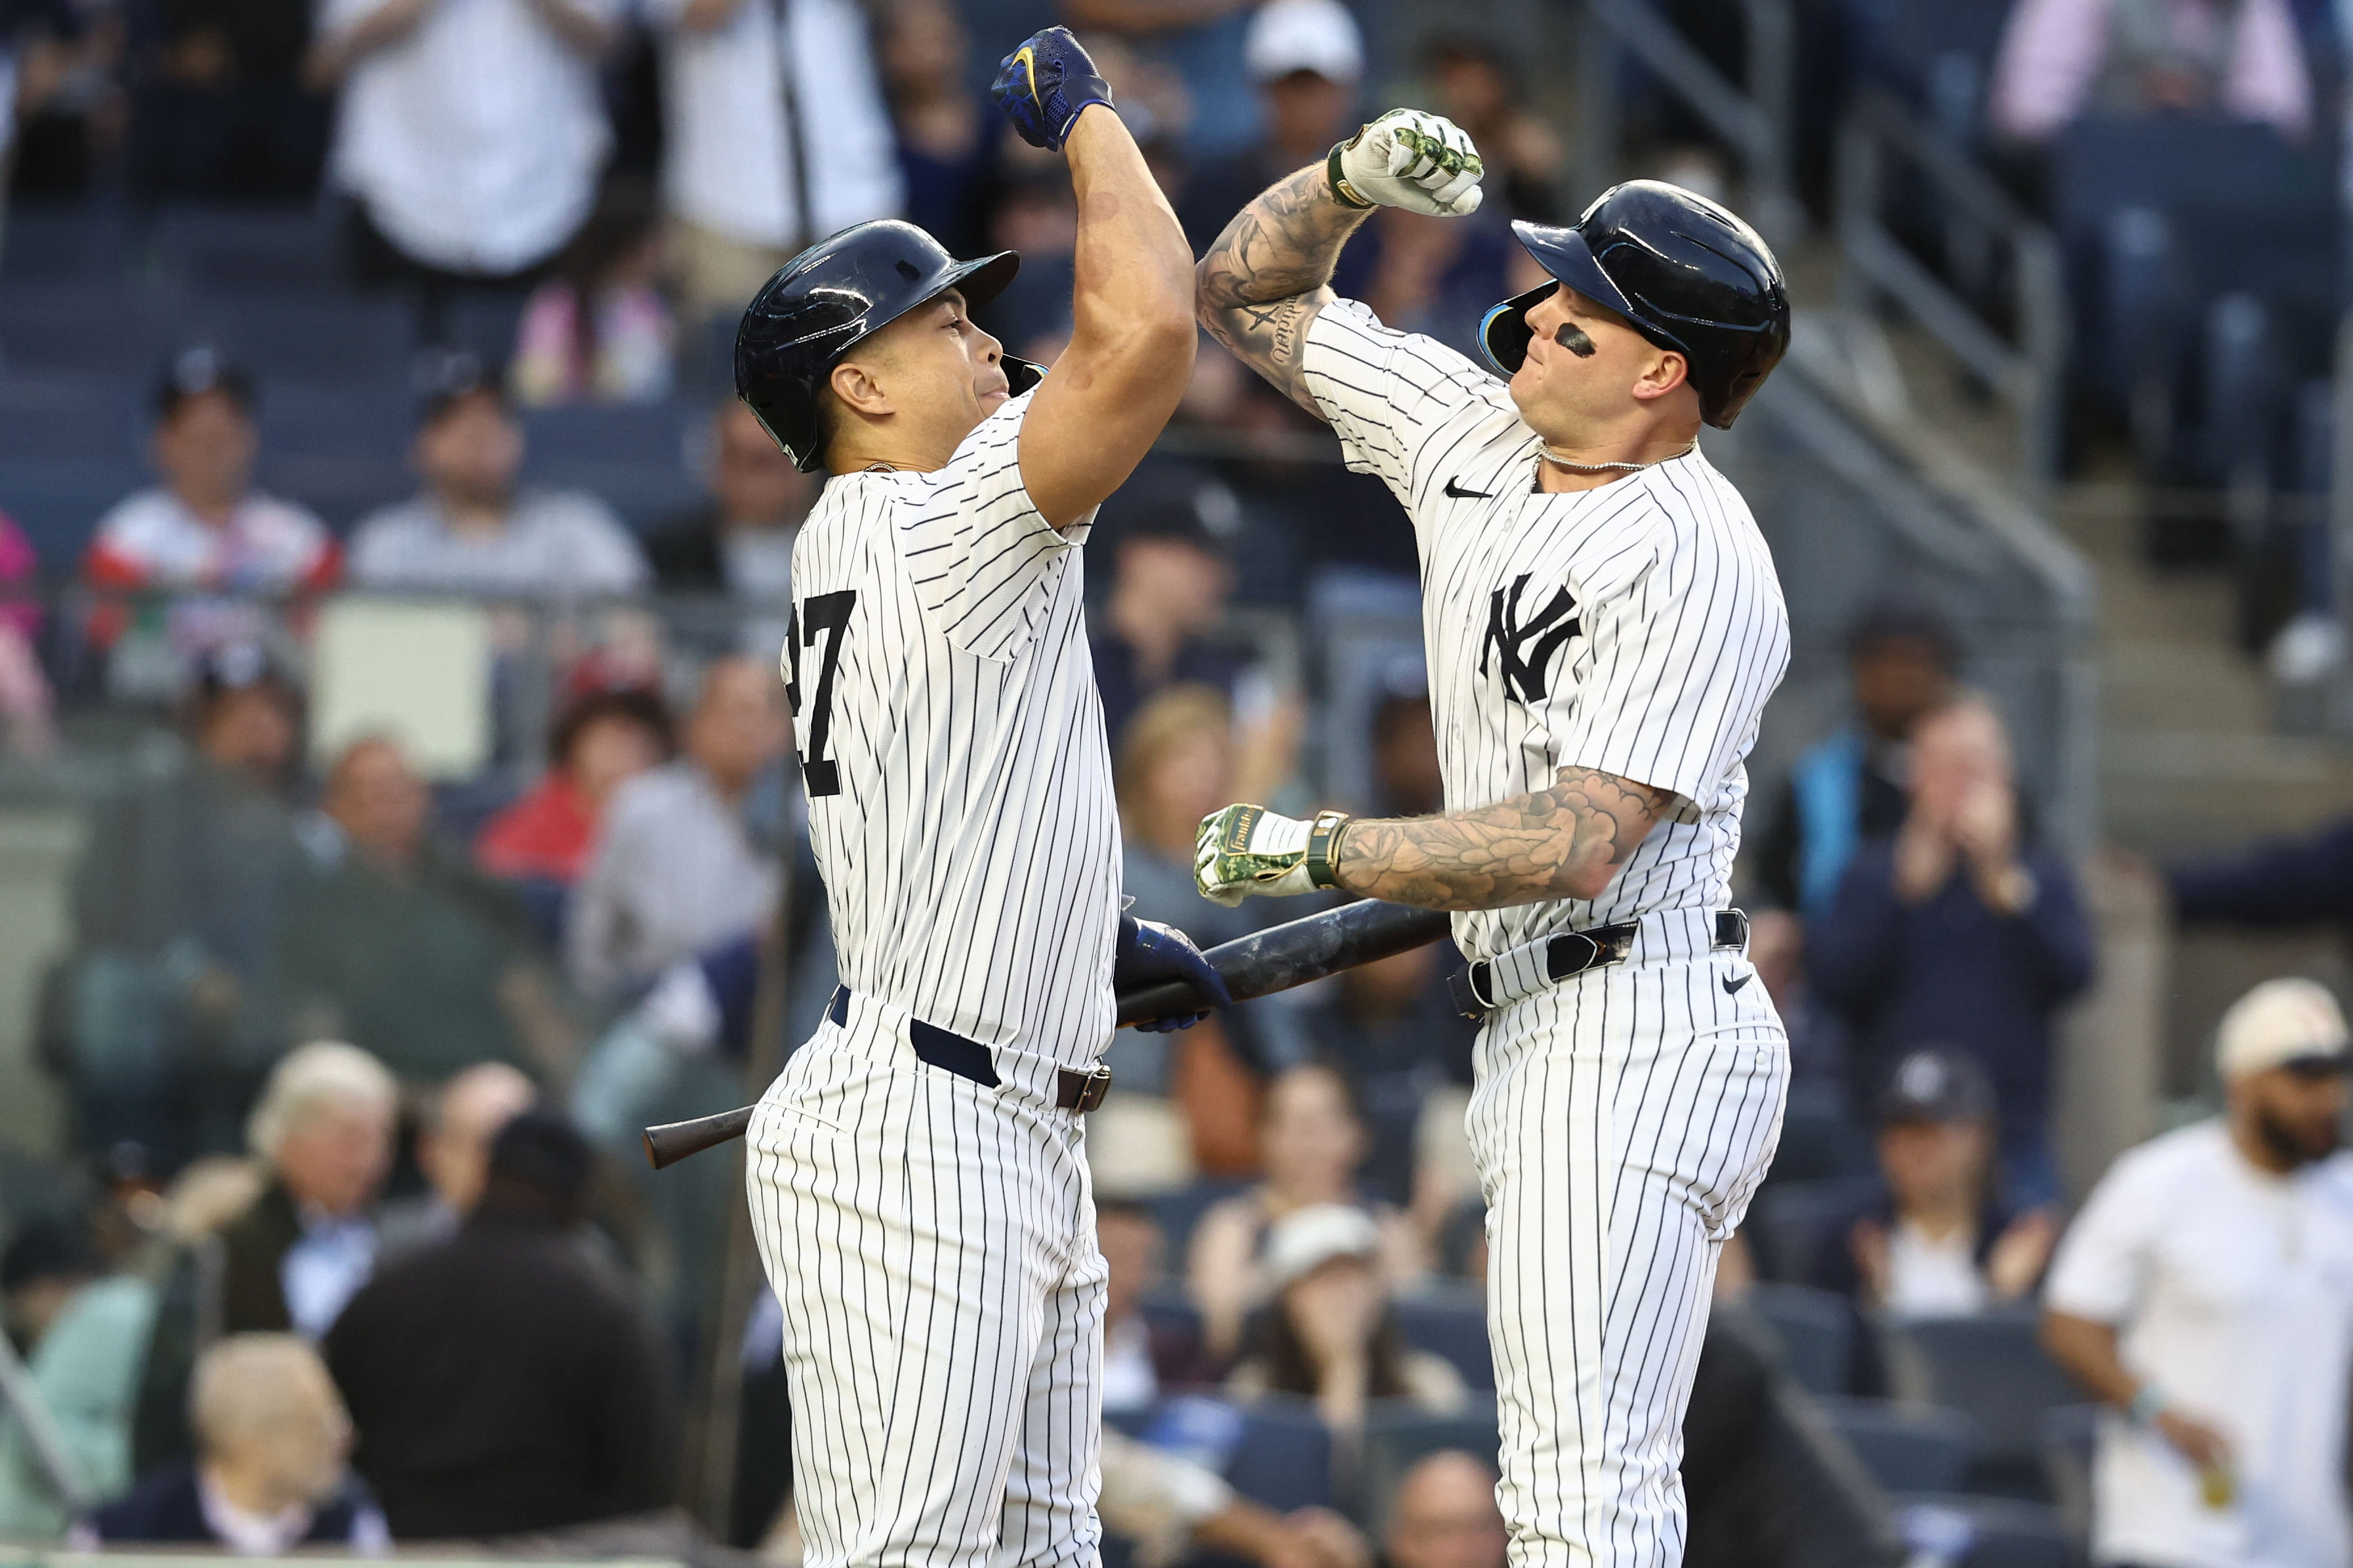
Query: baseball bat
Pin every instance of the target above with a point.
(1259, 964)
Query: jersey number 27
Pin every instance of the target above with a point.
(826, 613)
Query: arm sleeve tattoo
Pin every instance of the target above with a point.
(1270, 272)
(1564, 842)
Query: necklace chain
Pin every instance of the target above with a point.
(1557, 460)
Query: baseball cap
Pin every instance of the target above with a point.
(1318, 36)
(2288, 1023)
(1935, 1085)
(544, 1151)
(447, 378)
(1905, 619)
(1305, 1239)
(193, 372)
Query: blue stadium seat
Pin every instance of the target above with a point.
(1275, 1450)
(2066, 1437)
(52, 242)
(1819, 1139)
(1790, 1221)
(1450, 1320)
(84, 327)
(333, 338)
(634, 458)
(1398, 1436)
(1815, 1329)
(56, 500)
(1992, 1370)
(1180, 1212)
(1986, 1532)
(1907, 1448)
(245, 250)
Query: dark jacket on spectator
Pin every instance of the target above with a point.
(503, 1382)
(683, 551)
(1950, 971)
(2305, 881)
(166, 1505)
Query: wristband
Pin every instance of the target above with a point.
(1323, 837)
(1342, 191)
(2148, 1404)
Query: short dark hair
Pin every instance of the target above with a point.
(634, 705)
(541, 1153)
(1905, 620)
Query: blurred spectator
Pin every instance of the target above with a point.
(469, 136)
(948, 141)
(678, 869)
(205, 526)
(221, 111)
(25, 702)
(1313, 1141)
(1427, 275)
(603, 740)
(1305, 56)
(2288, 883)
(504, 1381)
(1168, 590)
(2200, 1296)
(1959, 933)
(63, 61)
(1202, 41)
(177, 906)
(1162, 1504)
(2062, 60)
(775, 136)
(1406, 772)
(1035, 213)
(740, 541)
(1404, 1040)
(1939, 1244)
(81, 1332)
(1849, 790)
(453, 1153)
(270, 1471)
(1329, 1335)
(598, 329)
(1479, 89)
(1142, 1359)
(1444, 1515)
(472, 531)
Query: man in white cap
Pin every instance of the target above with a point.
(2205, 1297)
(1305, 57)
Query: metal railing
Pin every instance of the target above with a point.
(2025, 367)
(1752, 119)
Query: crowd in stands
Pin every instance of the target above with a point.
(346, 1248)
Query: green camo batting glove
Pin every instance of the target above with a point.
(1247, 850)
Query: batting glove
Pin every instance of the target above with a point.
(1149, 951)
(1422, 163)
(1043, 85)
(1247, 850)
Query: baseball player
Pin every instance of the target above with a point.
(1603, 627)
(916, 1173)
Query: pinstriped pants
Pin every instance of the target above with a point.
(933, 1244)
(1620, 1122)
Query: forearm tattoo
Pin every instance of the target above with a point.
(1563, 842)
(1264, 279)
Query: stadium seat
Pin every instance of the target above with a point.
(1450, 1321)
(245, 250)
(634, 457)
(1398, 1436)
(1907, 1448)
(1992, 1369)
(331, 338)
(1274, 1450)
(82, 327)
(1788, 1221)
(2065, 1436)
(1985, 1533)
(1180, 1212)
(57, 501)
(1819, 1140)
(1815, 1330)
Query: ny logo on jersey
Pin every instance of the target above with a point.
(1524, 648)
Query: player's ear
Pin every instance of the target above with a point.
(860, 388)
(1666, 370)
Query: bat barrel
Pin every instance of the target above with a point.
(1295, 952)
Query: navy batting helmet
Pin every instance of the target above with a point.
(1688, 276)
(831, 297)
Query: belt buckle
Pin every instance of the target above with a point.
(1098, 1085)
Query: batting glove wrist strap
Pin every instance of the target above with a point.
(1247, 850)
(1422, 163)
(1323, 838)
(1044, 84)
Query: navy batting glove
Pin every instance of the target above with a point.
(1043, 84)
(1149, 951)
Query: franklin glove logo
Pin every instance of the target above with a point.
(1525, 648)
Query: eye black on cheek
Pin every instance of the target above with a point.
(1570, 337)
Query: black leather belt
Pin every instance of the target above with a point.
(1573, 952)
(952, 1052)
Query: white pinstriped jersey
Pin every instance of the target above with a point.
(952, 746)
(1636, 629)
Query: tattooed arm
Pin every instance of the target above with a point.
(1565, 842)
(1270, 272)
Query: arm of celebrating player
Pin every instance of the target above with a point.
(1269, 274)
(1132, 334)
(1564, 842)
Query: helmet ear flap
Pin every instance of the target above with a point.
(1020, 374)
(1504, 333)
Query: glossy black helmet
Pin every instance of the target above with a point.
(1687, 274)
(833, 295)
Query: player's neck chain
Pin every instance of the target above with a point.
(1558, 461)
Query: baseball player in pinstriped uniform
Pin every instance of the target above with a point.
(1603, 627)
(915, 1173)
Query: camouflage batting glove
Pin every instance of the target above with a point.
(1422, 163)
(1247, 850)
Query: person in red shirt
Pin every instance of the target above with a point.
(603, 739)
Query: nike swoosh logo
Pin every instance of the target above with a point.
(1458, 493)
(1731, 986)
